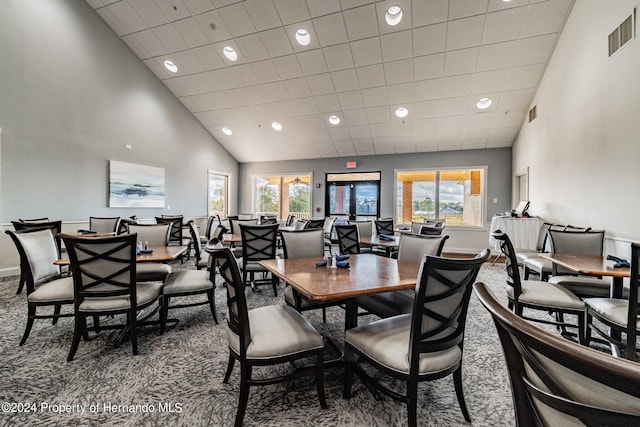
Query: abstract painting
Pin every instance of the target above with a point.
(135, 186)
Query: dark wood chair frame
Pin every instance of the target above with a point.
(348, 238)
(314, 224)
(384, 226)
(258, 243)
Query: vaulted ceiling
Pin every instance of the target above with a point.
(437, 62)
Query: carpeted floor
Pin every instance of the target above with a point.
(177, 377)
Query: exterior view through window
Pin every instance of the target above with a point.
(455, 196)
(353, 196)
(283, 195)
(218, 190)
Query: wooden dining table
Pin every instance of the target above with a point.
(388, 245)
(157, 254)
(368, 274)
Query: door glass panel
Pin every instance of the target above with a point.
(366, 199)
(339, 200)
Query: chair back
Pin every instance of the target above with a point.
(246, 216)
(365, 228)
(103, 267)
(430, 230)
(104, 225)
(290, 220)
(413, 247)
(634, 300)
(348, 239)
(575, 243)
(384, 226)
(555, 381)
(234, 224)
(511, 264)
(315, 224)
(542, 236)
(43, 219)
(209, 226)
(440, 304)
(123, 225)
(258, 242)
(218, 232)
(195, 237)
(155, 234)
(303, 243)
(38, 250)
(54, 226)
(237, 312)
(328, 226)
(175, 232)
(268, 219)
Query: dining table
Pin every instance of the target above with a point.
(154, 254)
(389, 242)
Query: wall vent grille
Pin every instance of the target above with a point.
(623, 34)
(533, 113)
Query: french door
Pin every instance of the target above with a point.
(353, 196)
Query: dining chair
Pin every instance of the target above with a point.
(46, 286)
(304, 244)
(424, 345)
(328, 231)
(365, 229)
(43, 219)
(176, 236)
(104, 224)
(586, 243)
(201, 260)
(156, 235)
(412, 249)
(543, 267)
(314, 224)
(539, 295)
(541, 245)
(258, 243)
(104, 284)
(234, 224)
(54, 226)
(384, 226)
(348, 238)
(246, 216)
(556, 382)
(123, 225)
(618, 315)
(265, 336)
(428, 230)
(268, 219)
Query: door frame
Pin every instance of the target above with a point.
(352, 183)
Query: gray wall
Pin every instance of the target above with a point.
(72, 95)
(498, 182)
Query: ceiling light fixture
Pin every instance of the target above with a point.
(170, 65)
(303, 37)
(276, 126)
(393, 15)
(483, 103)
(402, 112)
(227, 131)
(334, 120)
(230, 53)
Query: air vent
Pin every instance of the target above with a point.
(624, 33)
(533, 113)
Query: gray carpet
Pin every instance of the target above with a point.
(177, 377)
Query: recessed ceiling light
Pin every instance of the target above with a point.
(303, 37)
(506, 1)
(334, 120)
(402, 112)
(230, 53)
(276, 126)
(170, 65)
(393, 15)
(227, 131)
(484, 103)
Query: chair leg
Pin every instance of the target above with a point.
(245, 376)
(56, 313)
(412, 403)
(212, 304)
(96, 323)
(274, 284)
(31, 316)
(230, 363)
(582, 329)
(164, 313)
(21, 282)
(527, 271)
(320, 379)
(133, 331)
(348, 373)
(324, 314)
(77, 333)
(457, 381)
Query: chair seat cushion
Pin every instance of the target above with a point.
(151, 271)
(523, 255)
(387, 304)
(204, 261)
(179, 282)
(277, 330)
(547, 294)
(56, 290)
(538, 264)
(251, 265)
(386, 341)
(610, 309)
(583, 285)
(146, 292)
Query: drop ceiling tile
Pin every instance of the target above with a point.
(545, 17)
(371, 76)
(382, 131)
(327, 103)
(136, 47)
(477, 139)
(461, 61)
(345, 80)
(205, 22)
(298, 88)
(516, 99)
(489, 81)
(339, 134)
(186, 61)
(317, 125)
(338, 57)
(323, 7)
(127, 16)
(223, 78)
(428, 67)
(198, 6)
(451, 123)
(355, 117)
(375, 97)
(399, 71)
(149, 42)
(427, 126)
(149, 11)
(465, 32)
(330, 29)
(244, 76)
(208, 57)
(429, 12)
(291, 11)
(534, 50)
(502, 135)
(455, 106)
(361, 22)
(527, 76)
(252, 48)
(504, 25)
(219, 48)
(170, 38)
(112, 21)
(157, 68)
(378, 114)
(312, 62)
(429, 89)
(430, 39)
(320, 84)
(349, 4)
(501, 5)
(405, 22)
(191, 32)
(397, 46)
(276, 42)
(276, 91)
(426, 109)
(174, 10)
(291, 30)
(265, 71)
(263, 14)
(366, 52)
(351, 100)
(463, 8)
(237, 19)
(401, 93)
(495, 56)
(196, 83)
(288, 67)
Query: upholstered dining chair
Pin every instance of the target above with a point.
(123, 225)
(264, 336)
(424, 345)
(348, 238)
(328, 231)
(43, 219)
(104, 224)
(176, 236)
(258, 243)
(541, 266)
(431, 230)
(619, 315)
(315, 224)
(384, 226)
(539, 295)
(365, 229)
(201, 259)
(104, 283)
(46, 287)
(234, 224)
(156, 235)
(541, 245)
(556, 382)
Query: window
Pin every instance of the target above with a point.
(218, 194)
(453, 195)
(283, 195)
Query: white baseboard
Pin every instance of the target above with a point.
(9, 271)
